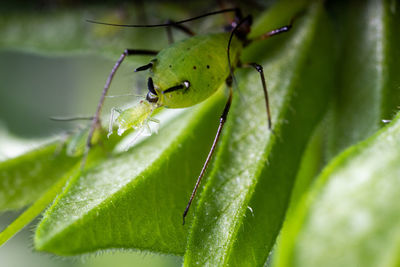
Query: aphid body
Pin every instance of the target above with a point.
(134, 117)
(182, 75)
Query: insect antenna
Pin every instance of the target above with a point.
(236, 10)
(114, 96)
(248, 18)
(77, 118)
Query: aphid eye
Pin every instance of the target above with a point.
(186, 84)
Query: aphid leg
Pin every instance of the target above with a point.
(274, 32)
(180, 27)
(157, 124)
(146, 127)
(134, 139)
(216, 138)
(259, 68)
(63, 143)
(145, 67)
(154, 120)
(96, 118)
(113, 117)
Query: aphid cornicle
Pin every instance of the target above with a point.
(186, 73)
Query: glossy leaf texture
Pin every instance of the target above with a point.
(356, 198)
(135, 199)
(367, 74)
(353, 236)
(244, 202)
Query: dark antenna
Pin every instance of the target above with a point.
(229, 46)
(166, 24)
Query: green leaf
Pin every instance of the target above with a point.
(369, 93)
(356, 198)
(310, 167)
(25, 178)
(49, 169)
(368, 71)
(136, 199)
(244, 202)
(35, 209)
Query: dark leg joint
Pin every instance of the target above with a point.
(226, 111)
(274, 32)
(145, 67)
(260, 70)
(280, 30)
(229, 81)
(258, 67)
(150, 86)
(152, 94)
(130, 52)
(184, 85)
(173, 88)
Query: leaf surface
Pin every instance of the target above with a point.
(36, 208)
(374, 26)
(25, 178)
(367, 75)
(357, 199)
(244, 202)
(135, 199)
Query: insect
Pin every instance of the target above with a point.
(187, 72)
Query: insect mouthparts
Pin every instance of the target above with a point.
(152, 98)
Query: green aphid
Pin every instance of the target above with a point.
(134, 117)
(186, 73)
